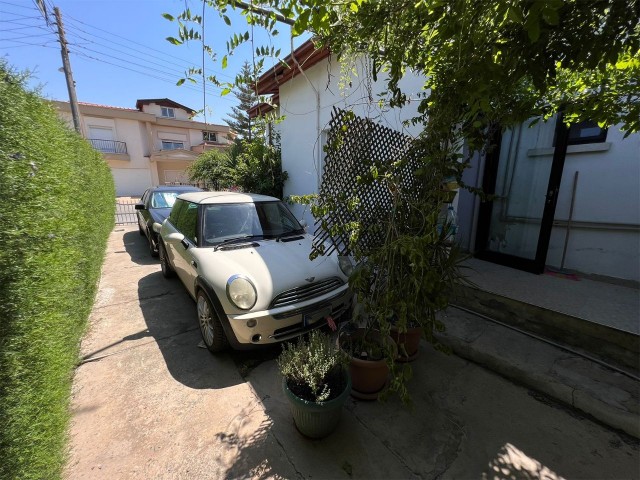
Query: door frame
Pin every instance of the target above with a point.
(537, 264)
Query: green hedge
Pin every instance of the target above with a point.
(57, 198)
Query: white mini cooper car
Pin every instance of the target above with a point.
(244, 258)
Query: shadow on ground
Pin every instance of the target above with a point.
(137, 247)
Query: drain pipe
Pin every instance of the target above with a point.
(550, 342)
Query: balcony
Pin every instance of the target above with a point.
(109, 146)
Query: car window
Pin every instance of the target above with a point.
(163, 199)
(175, 212)
(187, 221)
(263, 219)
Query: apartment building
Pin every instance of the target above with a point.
(151, 144)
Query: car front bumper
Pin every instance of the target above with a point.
(279, 324)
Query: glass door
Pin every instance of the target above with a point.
(523, 177)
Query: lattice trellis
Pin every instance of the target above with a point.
(356, 147)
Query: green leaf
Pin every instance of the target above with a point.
(514, 15)
(224, 61)
(180, 82)
(224, 92)
(226, 20)
(174, 40)
(168, 17)
(533, 30)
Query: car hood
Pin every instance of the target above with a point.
(159, 214)
(273, 267)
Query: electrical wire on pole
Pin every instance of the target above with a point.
(66, 65)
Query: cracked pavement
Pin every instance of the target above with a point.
(152, 404)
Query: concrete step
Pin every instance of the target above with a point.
(608, 395)
(601, 340)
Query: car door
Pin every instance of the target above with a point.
(142, 220)
(183, 261)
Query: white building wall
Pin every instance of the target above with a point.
(607, 192)
(608, 188)
(303, 129)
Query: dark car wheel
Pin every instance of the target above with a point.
(210, 326)
(153, 249)
(167, 269)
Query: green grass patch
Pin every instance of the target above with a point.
(56, 215)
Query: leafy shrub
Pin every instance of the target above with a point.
(58, 210)
(313, 368)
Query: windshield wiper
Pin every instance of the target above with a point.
(289, 234)
(233, 240)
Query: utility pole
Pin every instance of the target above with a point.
(71, 86)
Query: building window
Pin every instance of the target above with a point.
(210, 136)
(585, 132)
(168, 112)
(170, 145)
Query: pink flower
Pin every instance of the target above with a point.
(331, 323)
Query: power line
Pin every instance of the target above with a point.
(24, 36)
(74, 20)
(127, 54)
(19, 17)
(17, 5)
(25, 44)
(146, 74)
(167, 76)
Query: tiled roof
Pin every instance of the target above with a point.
(106, 106)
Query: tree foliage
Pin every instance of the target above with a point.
(239, 119)
(485, 62)
(249, 165)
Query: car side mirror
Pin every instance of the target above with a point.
(174, 237)
(140, 206)
(156, 227)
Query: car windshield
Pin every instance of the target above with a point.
(163, 199)
(236, 220)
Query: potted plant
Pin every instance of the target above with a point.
(386, 214)
(367, 350)
(316, 382)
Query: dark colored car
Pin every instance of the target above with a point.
(154, 206)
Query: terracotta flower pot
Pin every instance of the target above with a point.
(411, 341)
(368, 377)
(316, 420)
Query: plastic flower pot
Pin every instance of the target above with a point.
(317, 420)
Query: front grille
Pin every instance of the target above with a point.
(306, 292)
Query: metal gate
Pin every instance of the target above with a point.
(126, 211)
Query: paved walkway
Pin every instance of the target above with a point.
(613, 305)
(148, 403)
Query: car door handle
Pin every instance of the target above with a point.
(194, 264)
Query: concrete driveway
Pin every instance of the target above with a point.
(148, 402)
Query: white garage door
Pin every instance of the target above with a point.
(131, 182)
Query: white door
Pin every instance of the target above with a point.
(175, 176)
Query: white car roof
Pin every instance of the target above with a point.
(225, 197)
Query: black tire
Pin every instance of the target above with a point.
(153, 251)
(210, 327)
(165, 264)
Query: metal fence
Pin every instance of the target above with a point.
(126, 211)
(108, 146)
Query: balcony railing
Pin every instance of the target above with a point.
(108, 146)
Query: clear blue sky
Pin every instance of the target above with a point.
(119, 54)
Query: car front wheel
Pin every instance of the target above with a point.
(210, 326)
(167, 269)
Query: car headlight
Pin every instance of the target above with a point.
(241, 292)
(346, 265)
